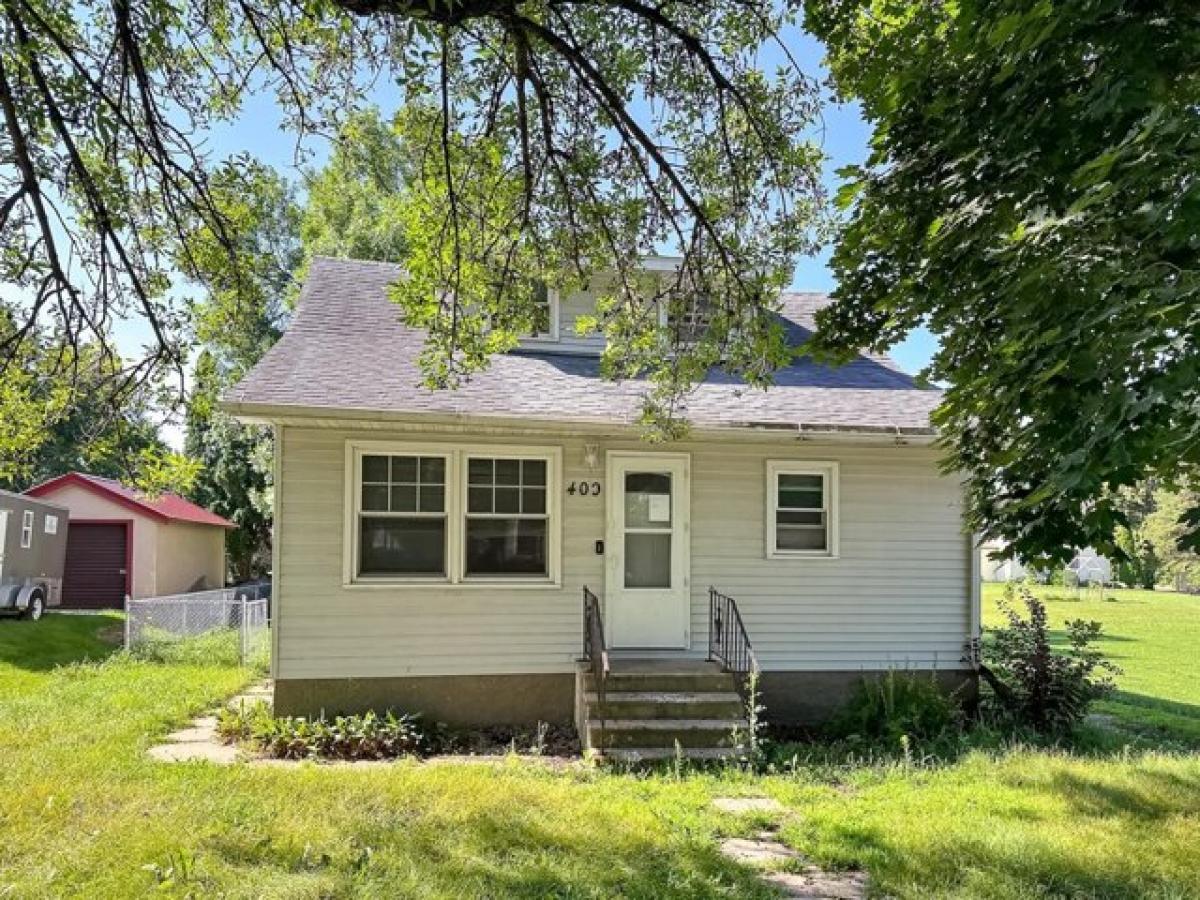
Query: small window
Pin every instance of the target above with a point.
(689, 319)
(27, 529)
(402, 515)
(507, 523)
(546, 323)
(51, 524)
(801, 509)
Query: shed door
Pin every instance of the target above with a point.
(95, 575)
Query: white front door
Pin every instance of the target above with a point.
(647, 554)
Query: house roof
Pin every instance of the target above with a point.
(347, 351)
(161, 507)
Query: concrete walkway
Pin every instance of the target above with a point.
(199, 740)
(780, 865)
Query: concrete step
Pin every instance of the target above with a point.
(665, 681)
(662, 733)
(665, 705)
(650, 754)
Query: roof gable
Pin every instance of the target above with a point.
(162, 508)
(347, 351)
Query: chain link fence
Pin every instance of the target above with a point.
(230, 625)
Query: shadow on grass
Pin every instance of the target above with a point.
(57, 640)
(1005, 860)
(506, 852)
(1148, 795)
(1154, 719)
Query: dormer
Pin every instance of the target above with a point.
(557, 332)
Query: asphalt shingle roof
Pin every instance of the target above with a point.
(346, 350)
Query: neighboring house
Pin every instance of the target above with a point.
(432, 547)
(122, 542)
(1086, 567)
(993, 568)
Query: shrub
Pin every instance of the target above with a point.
(366, 736)
(1045, 689)
(899, 706)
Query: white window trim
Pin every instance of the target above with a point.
(554, 301)
(829, 470)
(51, 524)
(456, 456)
(27, 520)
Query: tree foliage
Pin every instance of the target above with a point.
(1164, 527)
(1033, 196)
(605, 130)
(353, 204)
(51, 424)
(242, 313)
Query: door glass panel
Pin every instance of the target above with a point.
(648, 560)
(647, 500)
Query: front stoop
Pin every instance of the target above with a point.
(656, 708)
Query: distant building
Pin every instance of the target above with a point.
(122, 542)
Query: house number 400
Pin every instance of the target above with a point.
(584, 488)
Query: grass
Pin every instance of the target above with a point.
(86, 814)
(1154, 636)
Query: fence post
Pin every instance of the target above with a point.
(128, 619)
(242, 629)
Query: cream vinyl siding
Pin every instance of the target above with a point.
(190, 557)
(897, 595)
(570, 308)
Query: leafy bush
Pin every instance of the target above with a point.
(1045, 689)
(898, 707)
(366, 736)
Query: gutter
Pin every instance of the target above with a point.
(272, 414)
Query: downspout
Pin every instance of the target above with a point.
(975, 585)
(276, 547)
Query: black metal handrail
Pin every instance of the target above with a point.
(728, 642)
(595, 651)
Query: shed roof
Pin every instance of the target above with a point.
(347, 351)
(161, 507)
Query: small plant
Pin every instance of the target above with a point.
(897, 709)
(237, 724)
(366, 736)
(751, 741)
(1045, 689)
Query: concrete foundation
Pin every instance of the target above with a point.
(796, 697)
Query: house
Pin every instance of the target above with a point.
(994, 568)
(1086, 566)
(121, 542)
(434, 549)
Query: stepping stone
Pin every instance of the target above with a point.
(756, 852)
(817, 884)
(197, 734)
(810, 883)
(221, 754)
(740, 805)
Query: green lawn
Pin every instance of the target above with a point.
(83, 812)
(1154, 636)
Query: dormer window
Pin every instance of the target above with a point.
(546, 321)
(688, 317)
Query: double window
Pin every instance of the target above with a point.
(27, 529)
(801, 509)
(452, 515)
